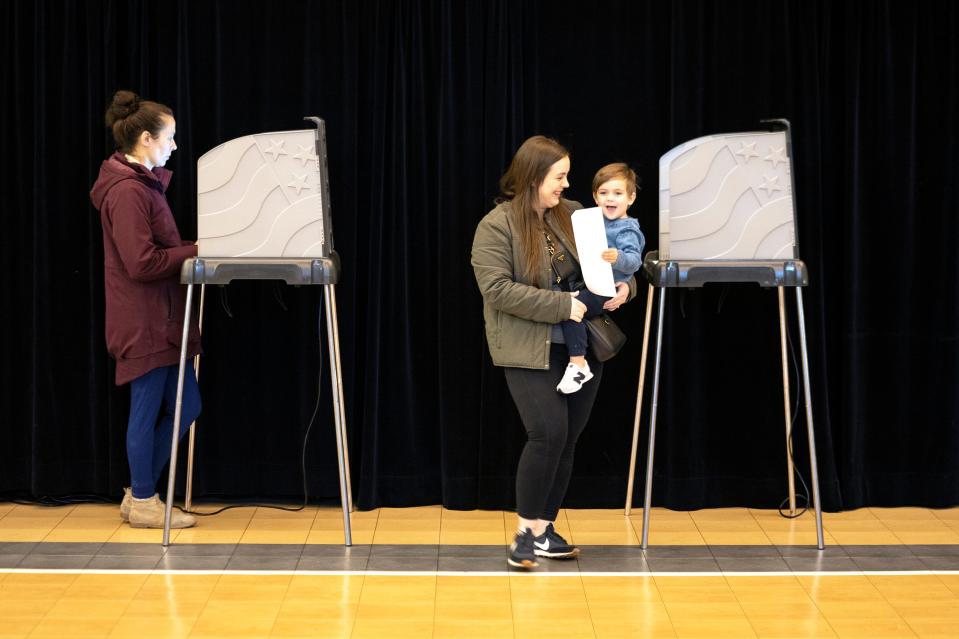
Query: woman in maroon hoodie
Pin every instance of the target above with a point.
(142, 255)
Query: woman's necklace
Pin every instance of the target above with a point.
(550, 248)
(554, 258)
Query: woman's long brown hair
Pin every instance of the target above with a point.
(520, 185)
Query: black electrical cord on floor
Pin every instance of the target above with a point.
(48, 501)
(70, 500)
(306, 436)
(789, 442)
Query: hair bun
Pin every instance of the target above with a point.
(125, 104)
(128, 116)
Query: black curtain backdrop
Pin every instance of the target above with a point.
(425, 103)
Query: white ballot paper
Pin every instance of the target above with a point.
(590, 233)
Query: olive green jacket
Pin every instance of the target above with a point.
(518, 314)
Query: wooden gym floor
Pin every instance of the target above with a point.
(77, 571)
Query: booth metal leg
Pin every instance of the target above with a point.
(813, 466)
(188, 498)
(631, 478)
(339, 414)
(191, 447)
(176, 416)
(648, 497)
(787, 406)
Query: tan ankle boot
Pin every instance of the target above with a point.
(125, 504)
(148, 513)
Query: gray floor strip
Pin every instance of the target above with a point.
(415, 558)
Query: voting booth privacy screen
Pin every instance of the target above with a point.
(262, 196)
(728, 197)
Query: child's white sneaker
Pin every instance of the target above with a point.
(574, 378)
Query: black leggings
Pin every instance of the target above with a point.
(553, 423)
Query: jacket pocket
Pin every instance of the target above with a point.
(174, 317)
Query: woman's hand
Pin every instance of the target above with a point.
(622, 291)
(610, 255)
(578, 310)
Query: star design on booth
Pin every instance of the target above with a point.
(776, 155)
(770, 184)
(747, 151)
(276, 149)
(305, 154)
(299, 183)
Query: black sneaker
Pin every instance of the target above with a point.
(521, 551)
(551, 544)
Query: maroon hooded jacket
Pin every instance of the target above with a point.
(142, 256)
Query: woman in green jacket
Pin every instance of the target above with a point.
(523, 304)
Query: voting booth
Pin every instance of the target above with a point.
(263, 213)
(727, 214)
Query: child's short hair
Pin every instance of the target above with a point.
(616, 170)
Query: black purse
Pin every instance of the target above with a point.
(605, 338)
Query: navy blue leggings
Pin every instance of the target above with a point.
(150, 430)
(574, 333)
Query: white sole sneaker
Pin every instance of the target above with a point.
(573, 378)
